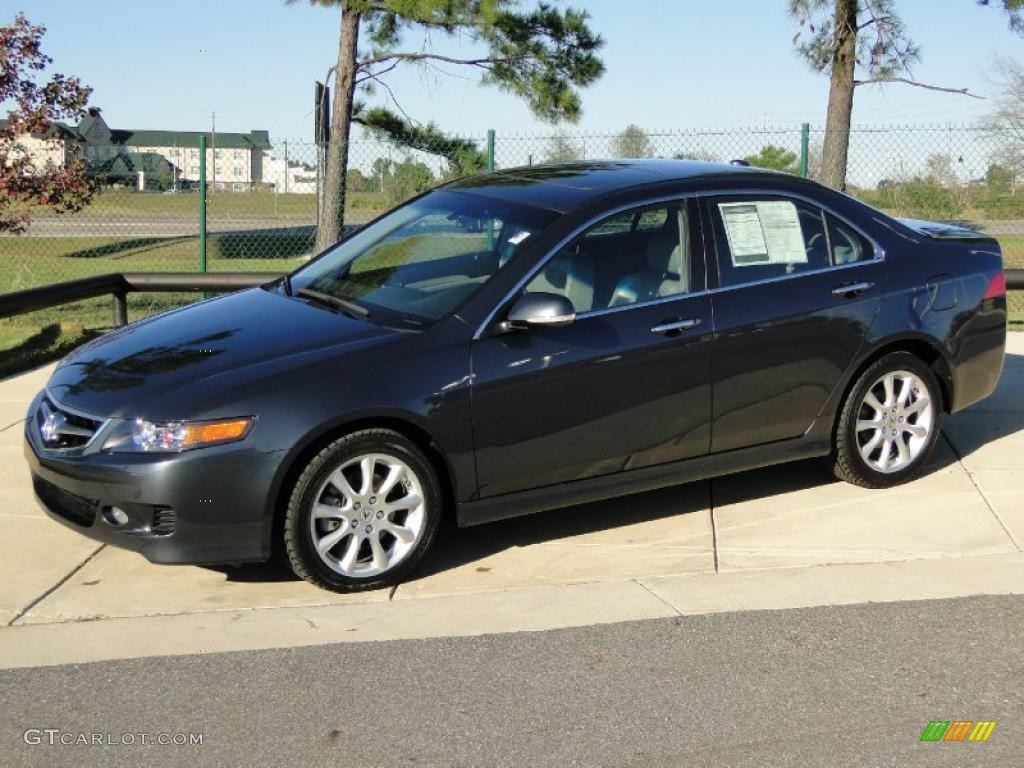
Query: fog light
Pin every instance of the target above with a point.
(115, 516)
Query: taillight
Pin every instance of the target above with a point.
(997, 287)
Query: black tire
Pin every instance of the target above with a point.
(299, 544)
(846, 459)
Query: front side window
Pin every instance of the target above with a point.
(419, 262)
(628, 258)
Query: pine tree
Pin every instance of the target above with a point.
(543, 55)
(855, 42)
(633, 143)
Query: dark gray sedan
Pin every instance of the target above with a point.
(516, 342)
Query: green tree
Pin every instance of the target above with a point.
(1014, 10)
(998, 179)
(854, 42)
(632, 142)
(36, 106)
(543, 55)
(462, 155)
(925, 199)
(938, 169)
(561, 150)
(408, 178)
(702, 155)
(776, 158)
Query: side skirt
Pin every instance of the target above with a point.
(640, 480)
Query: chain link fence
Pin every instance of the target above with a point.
(263, 199)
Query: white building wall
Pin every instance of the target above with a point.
(42, 152)
(291, 178)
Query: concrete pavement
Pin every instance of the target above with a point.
(782, 537)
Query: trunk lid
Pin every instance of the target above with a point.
(940, 230)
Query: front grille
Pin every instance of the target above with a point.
(60, 429)
(164, 520)
(70, 506)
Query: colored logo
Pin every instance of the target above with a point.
(958, 730)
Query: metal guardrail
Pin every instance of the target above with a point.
(119, 285)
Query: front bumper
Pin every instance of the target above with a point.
(203, 506)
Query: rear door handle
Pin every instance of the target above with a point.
(676, 325)
(852, 289)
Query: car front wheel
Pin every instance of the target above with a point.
(362, 513)
(889, 424)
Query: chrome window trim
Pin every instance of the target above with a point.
(640, 304)
(781, 278)
(879, 252)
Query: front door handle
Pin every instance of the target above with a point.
(676, 325)
(851, 289)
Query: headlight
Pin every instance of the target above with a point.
(174, 436)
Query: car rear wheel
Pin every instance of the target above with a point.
(362, 513)
(889, 424)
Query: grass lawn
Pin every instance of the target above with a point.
(34, 338)
(26, 346)
(121, 204)
(33, 261)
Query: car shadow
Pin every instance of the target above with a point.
(456, 547)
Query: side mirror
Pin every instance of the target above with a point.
(540, 310)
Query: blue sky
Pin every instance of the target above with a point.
(670, 64)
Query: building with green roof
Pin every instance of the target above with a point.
(235, 161)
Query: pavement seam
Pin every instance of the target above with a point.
(15, 424)
(974, 482)
(55, 587)
(714, 523)
(658, 597)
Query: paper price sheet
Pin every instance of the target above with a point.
(764, 232)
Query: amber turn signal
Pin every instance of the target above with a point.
(215, 432)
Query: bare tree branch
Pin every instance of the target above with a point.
(375, 77)
(484, 63)
(368, 75)
(915, 83)
(872, 21)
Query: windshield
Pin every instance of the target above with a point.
(419, 262)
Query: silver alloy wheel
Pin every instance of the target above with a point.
(894, 422)
(368, 515)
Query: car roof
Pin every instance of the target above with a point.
(565, 186)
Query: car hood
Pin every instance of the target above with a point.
(123, 371)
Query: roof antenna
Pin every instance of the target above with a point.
(743, 163)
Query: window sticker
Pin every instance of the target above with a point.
(518, 238)
(764, 232)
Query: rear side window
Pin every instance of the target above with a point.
(848, 245)
(761, 238)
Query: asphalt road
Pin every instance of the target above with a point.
(850, 686)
